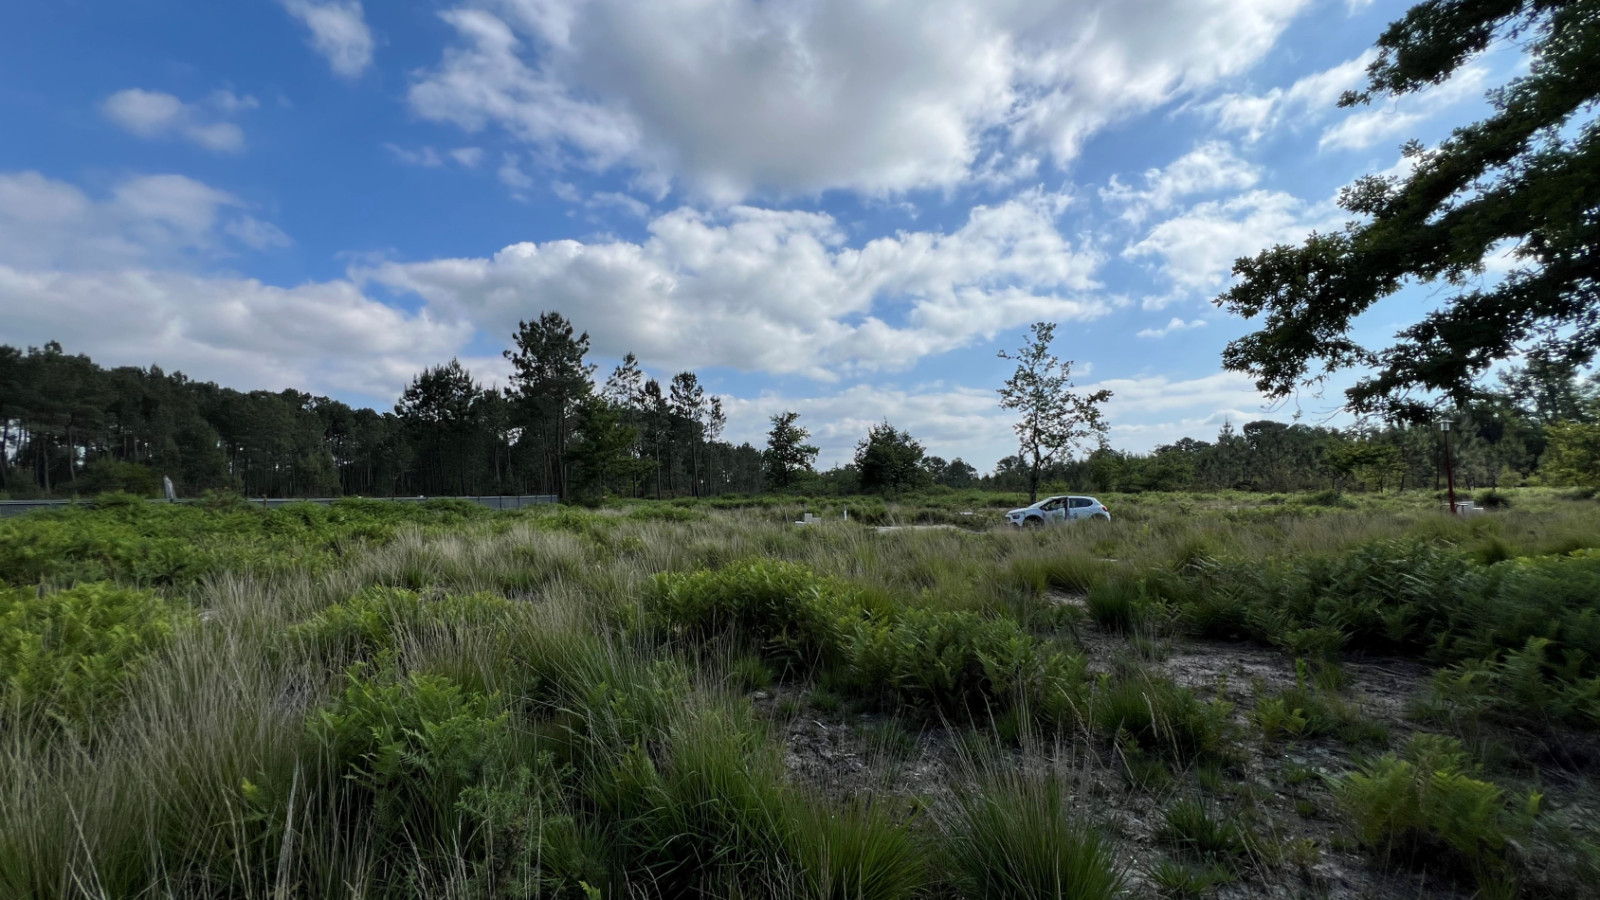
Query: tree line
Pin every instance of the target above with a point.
(69, 426)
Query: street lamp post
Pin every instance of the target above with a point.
(1449, 472)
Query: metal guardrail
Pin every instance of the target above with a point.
(10, 508)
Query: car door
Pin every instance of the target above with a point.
(1078, 507)
(1054, 510)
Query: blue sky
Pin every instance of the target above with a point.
(838, 207)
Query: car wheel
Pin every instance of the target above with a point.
(1033, 522)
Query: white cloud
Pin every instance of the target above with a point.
(324, 337)
(511, 174)
(155, 115)
(1400, 118)
(108, 277)
(467, 156)
(338, 31)
(1209, 168)
(1176, 324)
(146, 220)
(780, 292)
(426, 157)
(1196, 249)
(1309, 99)
(799, 96)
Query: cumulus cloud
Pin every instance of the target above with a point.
(1309, 99)
(154, 114)
(797, 97)
(338, 31)
(1211, 167)
(325, 337)
(109, 277)
(779, 291)
(1176, 324)
(145, 220)
(1195, 250)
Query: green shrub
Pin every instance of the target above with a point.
(801, 619)
(1014, 837)
(709, 808)
(406, 749)
(1520, 686)
(1176, 880)
(68, 653)
(960, 663)
(1427, 804)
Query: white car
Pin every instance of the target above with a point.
(1051, 510)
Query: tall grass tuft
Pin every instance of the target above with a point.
(1013, 836)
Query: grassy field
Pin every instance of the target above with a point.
(1212, 695)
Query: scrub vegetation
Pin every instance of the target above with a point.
(1218, 694)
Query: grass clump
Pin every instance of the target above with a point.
(1190, 827)
(1157, 715)
(1115, 604)
(66, 654)
(1014, 836)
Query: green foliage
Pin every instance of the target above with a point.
(1176, 880)
(1115, 604)
(409, 747)
(158, 544)
(1573, 456)
(1191, 828)
(1427, 802)
(1307, 710)
(67, 653)
(1519, 686)
(1158, 715)
(952, 661)
(1014, 836)
(801, 620)
(1525, 176)
(889, 461)
(960, 663)
(861, 850)
(370, 621)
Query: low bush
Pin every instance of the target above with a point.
(961, 664)
(951, 661)
(1520, 686)
(801, 619)
(1427, 804)
(406, 748)
(68, 653)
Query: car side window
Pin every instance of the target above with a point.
(1051, 506)
(1080, 502)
